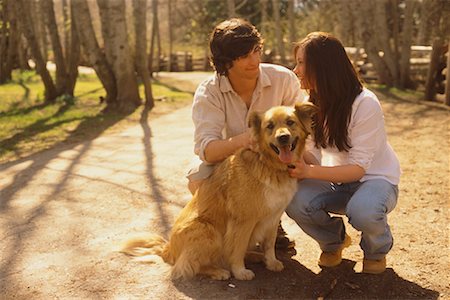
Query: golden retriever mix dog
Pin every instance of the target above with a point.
(239, 206)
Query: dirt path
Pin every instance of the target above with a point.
(63, 212)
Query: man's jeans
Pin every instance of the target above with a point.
(366, 204)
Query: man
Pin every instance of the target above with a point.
(222, 103)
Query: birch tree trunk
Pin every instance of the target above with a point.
(9, 38)
(291, 18)
(278, 31)
(155, 38)
(264, 17)
(382, 33)
(231, 8)
(50, 21)
(117, 49)
(169, 29)
(94, 55)
(27, 27)
(407, 34)
(140, 26)
(447, 78)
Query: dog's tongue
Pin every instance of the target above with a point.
(285, 155)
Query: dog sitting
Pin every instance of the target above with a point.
(239, 206)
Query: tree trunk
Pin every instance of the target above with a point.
(73, 54)
(382, 33)
(8, 40)
(50, 21)
(278, 31)
(117, 49)
(23, 9)
(140, 21)
(231, 8)
(154, 39)
(264, 17)
(428, 20)
(430, 85)
(407, 34)
(291, 18)
(94, 55)
(368, 37)
(169, 29)
(447, 78)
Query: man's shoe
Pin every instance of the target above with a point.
(332, 259)
(374, 266)
(282, 241)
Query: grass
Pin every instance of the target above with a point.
(28, 126)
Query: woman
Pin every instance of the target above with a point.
(349, 167)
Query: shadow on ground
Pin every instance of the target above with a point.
(298, 282)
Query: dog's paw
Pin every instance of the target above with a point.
(244, 274)
(275, 265)
(220, 274)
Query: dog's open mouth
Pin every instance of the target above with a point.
(285, 153)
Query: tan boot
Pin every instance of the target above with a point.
(374, 266)
(332, 259)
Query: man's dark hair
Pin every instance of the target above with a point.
(230, 40)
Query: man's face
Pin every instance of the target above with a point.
(247, 66)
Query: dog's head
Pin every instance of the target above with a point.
(280, 132)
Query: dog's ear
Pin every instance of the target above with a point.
(254, 122)
(304, 112)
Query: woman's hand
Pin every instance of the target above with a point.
(301, 170)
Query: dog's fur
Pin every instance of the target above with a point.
(239, 205)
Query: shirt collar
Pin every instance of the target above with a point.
(263, 81)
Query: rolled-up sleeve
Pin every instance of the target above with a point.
(366, 133)
(208, 118)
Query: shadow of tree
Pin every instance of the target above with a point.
(22, 227)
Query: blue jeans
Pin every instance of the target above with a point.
(366, 204)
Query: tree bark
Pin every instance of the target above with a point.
(407, 34)
(382, 34)
(278, 31)
(95, 56)
(50, 21)
(140, 19)
(291, 18)
(430, 84)
(155, 38)
(169, 29)
(8, 40)
(117, 49)
(231, 8)
(370, 44)
(264, 17)
(447, 78)
(27, 28)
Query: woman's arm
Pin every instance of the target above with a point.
(344, 174)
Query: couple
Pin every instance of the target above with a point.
(348, 167)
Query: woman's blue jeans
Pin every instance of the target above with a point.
(366, 204)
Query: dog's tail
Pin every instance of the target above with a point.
(146, 246)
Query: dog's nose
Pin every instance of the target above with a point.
(283, 139)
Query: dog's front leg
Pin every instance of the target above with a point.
(272, 263)
(236, 241)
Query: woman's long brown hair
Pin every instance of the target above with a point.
(335, 86)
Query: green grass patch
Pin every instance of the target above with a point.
(28, 125)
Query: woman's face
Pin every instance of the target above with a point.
(299, 68)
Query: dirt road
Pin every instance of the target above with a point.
(64, 211)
